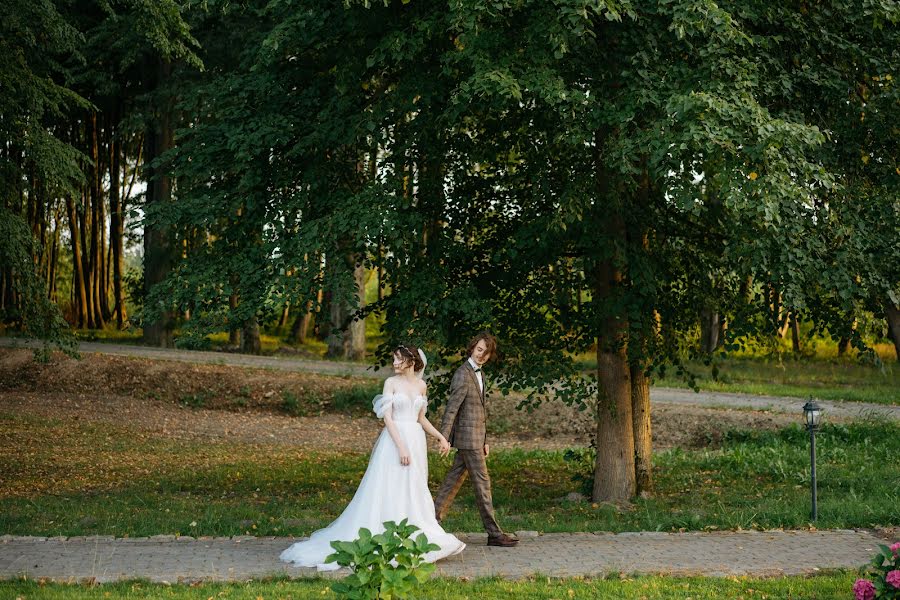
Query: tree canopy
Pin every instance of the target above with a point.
(574, 176)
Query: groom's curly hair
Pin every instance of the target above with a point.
(489, 340)
(410, 354)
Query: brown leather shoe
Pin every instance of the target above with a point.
(506, 541)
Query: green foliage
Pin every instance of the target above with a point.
(290, 404)
(581, 462)
(387, 565)
(192, 340)
(358, 398)
(476, 152)
(34, 315)
(195, 400)
(883, 574)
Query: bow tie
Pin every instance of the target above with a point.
(478, 369)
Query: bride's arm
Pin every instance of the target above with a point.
(432, 431)
(395, 435)
(428, 427)
(392, 428)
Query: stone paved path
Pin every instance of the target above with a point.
(657, 394)
(165, 558)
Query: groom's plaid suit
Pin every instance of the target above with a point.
(464, 427)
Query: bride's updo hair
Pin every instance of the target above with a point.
(410, 356)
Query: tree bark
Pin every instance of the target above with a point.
(301, 326)
(643, 439)
(844, 341)
(234, 331)
(83, 217)
(614, 471)
(709, 330)
(79, 294)
(250, 342)
(50, 278)
(795, 333)
(116, 231)
(358, 324)
(158, 243)
(96, 225)
(892, 313)
(347, 336)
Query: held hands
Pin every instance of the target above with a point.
(404, 456)
(487, 450)
(445, 446)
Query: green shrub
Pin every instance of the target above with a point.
(197, 400)
(582, 461)
(290, 403)
(358, 397)
(387, 565)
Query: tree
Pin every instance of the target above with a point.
(37, 165)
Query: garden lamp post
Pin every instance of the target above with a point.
(813, 414)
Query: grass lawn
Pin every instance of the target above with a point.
(69, 478)
(824, 379)
(825, 586)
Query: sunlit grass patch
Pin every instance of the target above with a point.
(818, 587)
(77, 479)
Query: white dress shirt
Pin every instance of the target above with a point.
(477, 374)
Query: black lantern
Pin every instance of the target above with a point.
(813, 415)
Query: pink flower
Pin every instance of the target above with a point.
(864, 590)
(895, 548)
(893, 578)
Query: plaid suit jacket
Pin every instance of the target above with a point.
(464, 417)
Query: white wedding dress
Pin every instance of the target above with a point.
(388, 491)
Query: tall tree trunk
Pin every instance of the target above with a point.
(47, 263)
(778, 316)
(892, 313)
(643, 439)
(346, 338)
(723, 329)
(844, 342)
(614, 472)
(795, 333)
(96, 226)
(379, 266)
(79, 294)
(54, 257)
(358, 325)
(116, 230)
(300, 326)
(158, 243)
(843, 346)
(103, 254)
(250, 342)
(54, 264)
(639, 340)
(84, 216)
(285, 317)
(234, 330)
(709, 329)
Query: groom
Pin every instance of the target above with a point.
(464, 426)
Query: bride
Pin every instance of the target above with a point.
(395, 485)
